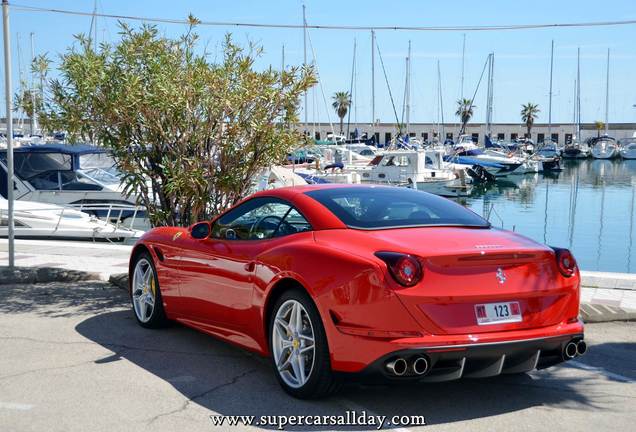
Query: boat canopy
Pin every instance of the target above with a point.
(75, 149)
(465, 160)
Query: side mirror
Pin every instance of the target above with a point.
(201, 230)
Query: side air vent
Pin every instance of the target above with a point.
(158, 253)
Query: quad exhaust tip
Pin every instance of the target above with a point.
(397, 367)
(570, 350)
(420, 366)
(581, 347)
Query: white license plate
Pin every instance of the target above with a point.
(498, 313)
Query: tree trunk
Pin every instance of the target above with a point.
(341, 127)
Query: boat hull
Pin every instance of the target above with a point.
(629, 152)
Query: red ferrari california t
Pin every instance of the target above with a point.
(338, 281)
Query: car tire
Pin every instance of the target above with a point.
(320, 380)
(145, 293)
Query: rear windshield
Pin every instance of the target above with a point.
(393, 207)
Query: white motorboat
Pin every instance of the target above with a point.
(604, 147)
(495, 163)
(277, 176)
(548, 158)
(78, 175)
(576, 150)
(420, 169)
(628, 147)
(38, 220)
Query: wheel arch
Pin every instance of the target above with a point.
(137, 250)
(274, 293)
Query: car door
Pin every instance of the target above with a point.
(217, 273)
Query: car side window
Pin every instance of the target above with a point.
(293, 223)
(258, 219)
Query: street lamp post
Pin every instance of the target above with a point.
(9, 119)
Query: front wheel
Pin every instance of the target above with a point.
(299, 347)
(145, 294)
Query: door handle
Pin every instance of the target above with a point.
(250, 266)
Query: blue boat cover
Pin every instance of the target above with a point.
(312, 179)
(77, 149)
(465, 160)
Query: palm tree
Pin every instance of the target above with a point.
(599, 125)
(341, 103)
(529, 113)
(464, 112)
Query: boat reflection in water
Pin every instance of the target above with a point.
(588, 207)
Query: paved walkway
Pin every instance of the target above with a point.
(102, 258)
(75, 360)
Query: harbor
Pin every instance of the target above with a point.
(369, 213)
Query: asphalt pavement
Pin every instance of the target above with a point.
(72, 358)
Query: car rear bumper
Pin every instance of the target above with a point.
(481, 360)
(484, 354)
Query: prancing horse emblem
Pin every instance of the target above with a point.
(501, 276)
(177, 235)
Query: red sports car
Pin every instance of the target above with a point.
(337, 281)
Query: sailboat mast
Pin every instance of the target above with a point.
(95, 27)
(305, 57)
(578, 94)
(490, 92)
(353, 72)
(372, 76)
(354, 96)
(607, 93)
(550, 97)
(408, 89)
(34, 120)
(574, 133)
(21, 75)
(461, 92)
(441, 101)
(283, 59)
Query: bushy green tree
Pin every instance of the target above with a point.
(188, 134)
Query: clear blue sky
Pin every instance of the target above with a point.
(521, 57)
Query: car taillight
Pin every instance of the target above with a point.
(565, 262)
(405, 269)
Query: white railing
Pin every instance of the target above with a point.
(114, 211)
(52, 218)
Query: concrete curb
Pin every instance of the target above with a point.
(595, 313)
(30, 275)
(119, 280)
(605, 280)
(611, 289)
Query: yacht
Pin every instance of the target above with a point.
(77, 175)
(575, 150)
(604, 147)
(628, 147)
(44, 221)
(548, 158)
(419, 169)
(424, 170)
(495, 163)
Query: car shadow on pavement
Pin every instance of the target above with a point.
(231, 381)
(59, 299)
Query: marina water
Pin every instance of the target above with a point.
(588, 207)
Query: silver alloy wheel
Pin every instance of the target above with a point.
(143, 290)
(293, 343)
